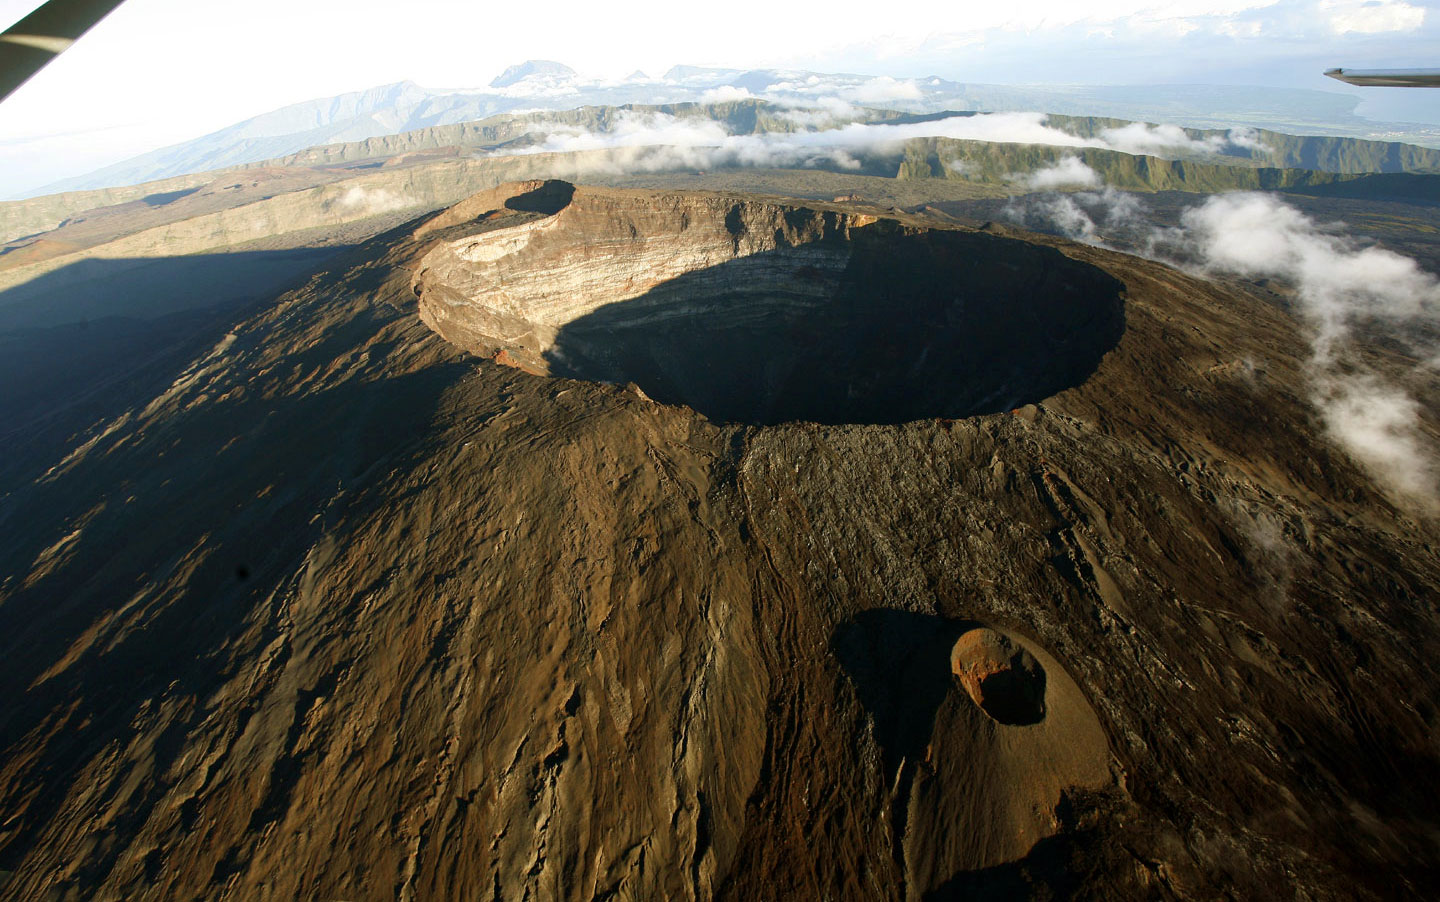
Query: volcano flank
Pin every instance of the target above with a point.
(592, 543)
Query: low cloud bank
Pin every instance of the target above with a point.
(830, 89)
(705, 144)
(1339, 284)
(1158, 140)
(651, 142)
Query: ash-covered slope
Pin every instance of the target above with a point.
(345, 612)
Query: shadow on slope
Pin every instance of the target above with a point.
(916, 324)
(899, 663)
(149, 287)
(81, 344)
(1089, 858)
(161, 198)
(1408, 187)
(47, 371)
(201, 521)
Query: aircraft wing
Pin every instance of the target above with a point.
(35, 40)
(1388, 78)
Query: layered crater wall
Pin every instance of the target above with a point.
(753, 311)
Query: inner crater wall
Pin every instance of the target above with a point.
(515, 287)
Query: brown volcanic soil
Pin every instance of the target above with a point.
(347, 612)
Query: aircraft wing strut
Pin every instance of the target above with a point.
(1388, 78)
(28, 45)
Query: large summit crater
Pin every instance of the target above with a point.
(755, 311)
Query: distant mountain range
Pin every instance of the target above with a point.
(548, 85)
(534, 70)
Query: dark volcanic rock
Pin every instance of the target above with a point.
(349, 612)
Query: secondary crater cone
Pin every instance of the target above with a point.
(751, 310)
(976, 726)
(1000, 676)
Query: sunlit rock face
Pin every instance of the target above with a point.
(760, 312)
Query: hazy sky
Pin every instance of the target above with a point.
(161, 71)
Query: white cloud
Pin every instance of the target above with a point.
(821, 113)
(725, 94)
(882, 90)
(1160, 140)
(1378, 425)
(1338, 285)
(1143, 138)
(1257, 235)
(541, 88)
(1237, 29)
(1371, 16)
(1079, 216)
(1247, 138)
(371, 201)
(1069, 217)
(808, 89)
(634, 130)
(1067, 172)
(1271, 551)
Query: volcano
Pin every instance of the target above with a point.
(616, 544)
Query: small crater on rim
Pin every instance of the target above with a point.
(1000, 676)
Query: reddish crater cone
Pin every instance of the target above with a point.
(503, 357)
